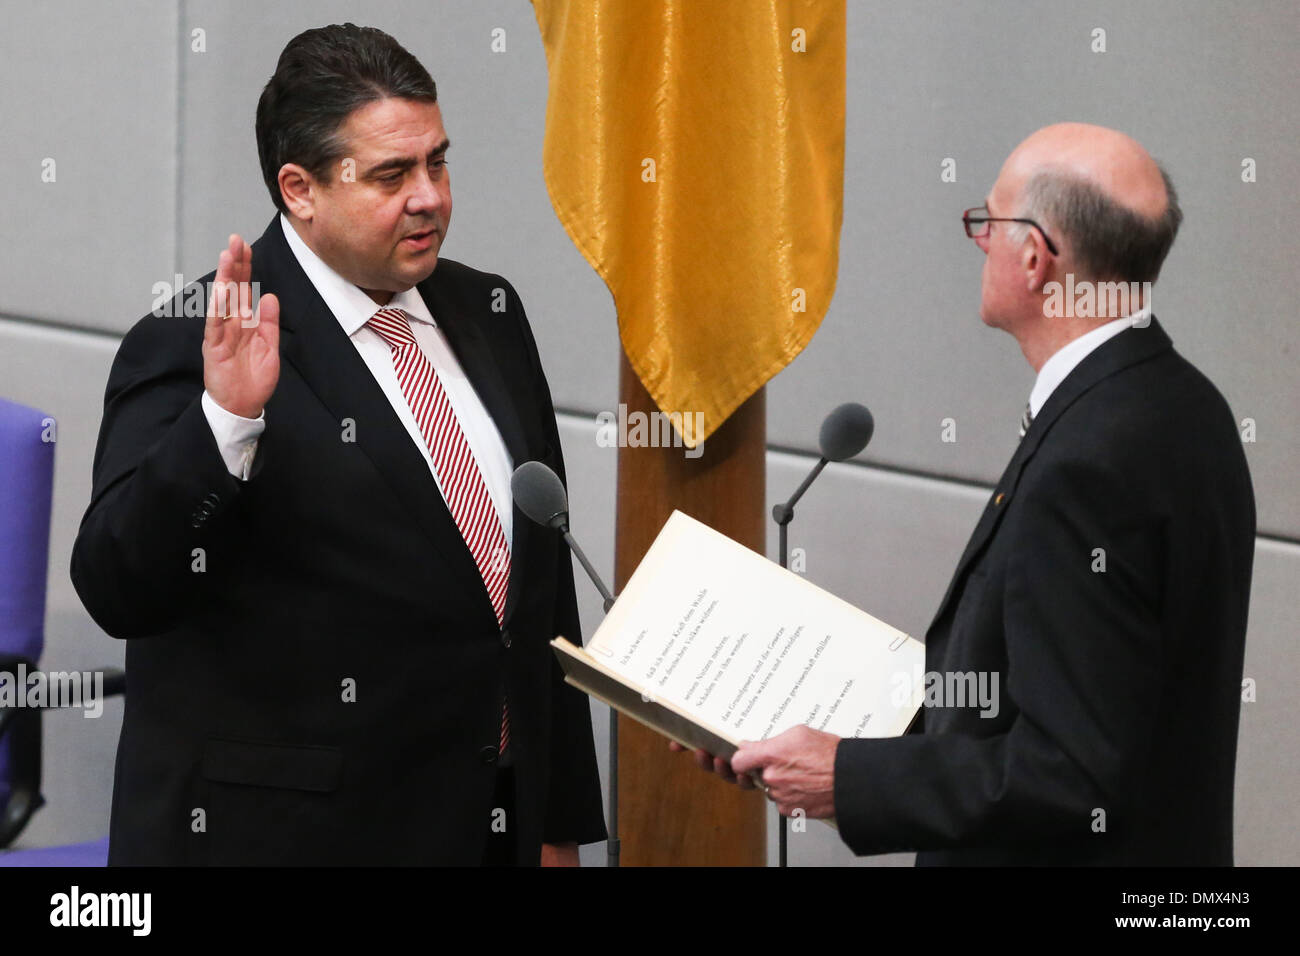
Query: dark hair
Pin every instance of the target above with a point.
(322, 76)
(1109, 241)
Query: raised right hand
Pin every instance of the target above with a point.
(241, 351)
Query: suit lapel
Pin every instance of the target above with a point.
(314, 343)
(1118, 353)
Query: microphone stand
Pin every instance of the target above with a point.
(613, 848)
(572, 542)
(783, 514)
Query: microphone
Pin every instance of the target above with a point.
(845, 432)
(540, 495)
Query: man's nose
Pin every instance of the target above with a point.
(983, 243)
(425, 197)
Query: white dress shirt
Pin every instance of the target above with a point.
(237, 436)
(1064, 361)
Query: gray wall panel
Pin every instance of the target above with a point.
(94, 90)
(1201, 84)
(1268, 766)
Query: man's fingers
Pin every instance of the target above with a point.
(231, 307)
(243, 261)
(268, 320)
(724, 770)
(748, 759)
(269, 307)
(213, 331)
(221, 281)
(703, 759)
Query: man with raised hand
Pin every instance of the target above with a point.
(338, 629)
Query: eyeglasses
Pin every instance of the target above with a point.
(977, 226)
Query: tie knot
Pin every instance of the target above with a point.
(395, 327)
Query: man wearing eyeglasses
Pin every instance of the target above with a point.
(1106, 582)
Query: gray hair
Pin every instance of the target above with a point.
(1108, 241)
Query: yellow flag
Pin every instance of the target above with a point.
(695, 155)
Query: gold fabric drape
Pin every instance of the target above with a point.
(695, 154)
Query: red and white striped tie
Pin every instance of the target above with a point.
(458, 473)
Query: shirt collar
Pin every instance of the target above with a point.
(351, 306)
(1067, 358)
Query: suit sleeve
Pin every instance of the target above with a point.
(573, 806)
(1085, 660)
(160, 485)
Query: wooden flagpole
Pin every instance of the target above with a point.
(670, 812)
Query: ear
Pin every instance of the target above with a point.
(1035, 261)
(298, 189)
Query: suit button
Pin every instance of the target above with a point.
(212, 500)
(488, 755)
(505, 638)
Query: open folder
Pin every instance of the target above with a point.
(711, 644)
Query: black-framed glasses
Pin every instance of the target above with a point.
(977, 226)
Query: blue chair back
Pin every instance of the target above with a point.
(26, 489)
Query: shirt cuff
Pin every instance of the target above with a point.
(236, 436)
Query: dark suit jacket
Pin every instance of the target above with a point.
(1120, 690)
(337, 565)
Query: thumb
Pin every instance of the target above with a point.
(751, 756)
(268, 311)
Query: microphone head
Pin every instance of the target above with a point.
(846, 431)
(540, 495)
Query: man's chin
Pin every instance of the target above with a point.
(426, 270)
(397, 283)
(416, 271)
